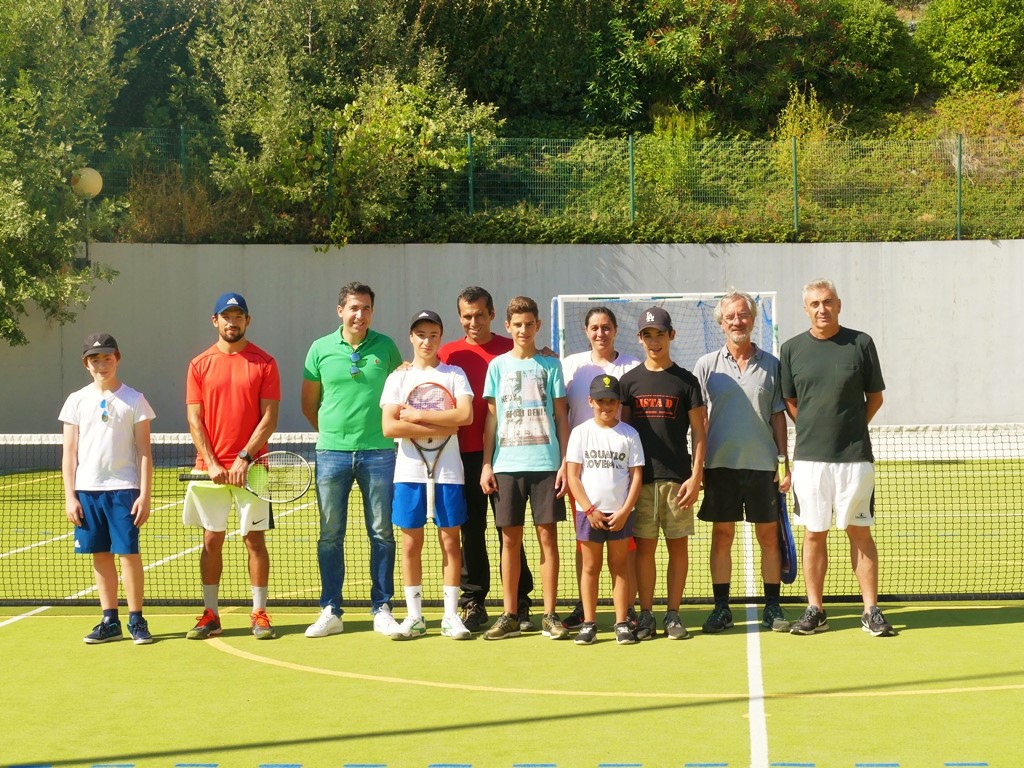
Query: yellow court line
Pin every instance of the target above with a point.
(223, 647)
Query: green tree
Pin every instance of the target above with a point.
(975, 43)
(57, 81)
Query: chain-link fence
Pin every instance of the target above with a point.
(190, 186)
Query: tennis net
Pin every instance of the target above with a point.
(949, 508)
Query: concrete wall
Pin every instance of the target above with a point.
(928, 305)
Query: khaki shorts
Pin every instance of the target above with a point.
(657, 510)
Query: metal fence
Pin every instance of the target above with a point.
(642, 187)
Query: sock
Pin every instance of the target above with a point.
(451, 600)
(109, 615)
(259, 599)
(134, 617)
(721, 592)
(210, 595)
(414, 601)
(771, 593)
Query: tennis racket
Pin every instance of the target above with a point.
(278, 476)
(787, 546)
(430, 397)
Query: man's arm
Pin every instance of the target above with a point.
(201, 439)
(791, 408)
(310, 402)
(562, 433)
(487, 482)
(690, 489)
(873, 403)
(781, 434)
(459, 416)
(269, 410)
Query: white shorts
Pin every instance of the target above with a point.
(823, 486)
(208, 505)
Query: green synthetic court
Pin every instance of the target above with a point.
(946, 692)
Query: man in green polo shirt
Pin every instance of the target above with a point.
(343, 378)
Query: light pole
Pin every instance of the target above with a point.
(86, 183)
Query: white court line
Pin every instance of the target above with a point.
(92, 589)
(755, 678)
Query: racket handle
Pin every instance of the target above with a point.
(430, 500)
(190, 476)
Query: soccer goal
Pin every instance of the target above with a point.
(693, 318)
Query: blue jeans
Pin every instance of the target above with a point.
(374, 471)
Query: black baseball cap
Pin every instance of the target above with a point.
(99, 344)
(655, 317)
(605, 387)
(427, 315)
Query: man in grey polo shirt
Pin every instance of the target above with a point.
(746, 435)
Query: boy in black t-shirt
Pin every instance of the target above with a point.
(662, 401)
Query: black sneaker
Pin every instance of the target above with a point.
(474, 616)
(813, 620)
(506, 625)
(674, 629)
(774, 618)
(646, 627)
(525, 622)
(575, 619)
(631, 618)
(624, 634)
(104, 632)
(874, 622)
(587, 633)
(719, 620)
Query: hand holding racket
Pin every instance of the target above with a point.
(430, 397)
(278, 476)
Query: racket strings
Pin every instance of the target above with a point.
(278, 477)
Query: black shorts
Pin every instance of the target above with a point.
(514, 490)
(730, 492)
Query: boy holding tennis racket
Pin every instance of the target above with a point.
(525, 437)
(424, 406)
(605, 463)
(107, 468)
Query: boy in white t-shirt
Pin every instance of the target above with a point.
(605, 461)
(107, 467)
(409, 508)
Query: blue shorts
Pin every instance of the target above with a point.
(107, 523)
(584, 531)
(409, 508)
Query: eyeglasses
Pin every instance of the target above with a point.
(355, 358)
(103, 406)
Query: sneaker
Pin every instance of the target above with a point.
(208, 625)
(587, 633)
(409, 629)
(646, 627)
(552, 626)
(525, 622)
(383, 621)
(452, 626)
(139, 630)
(104, 632)
(260, 623)
(632, 618)
(474, 616)
(674, 629)
(506, 625)
(326, 624)
(874, 622)
(812, 620)
(624, 634)
(774, 618)
(719, 620)
(574, 620)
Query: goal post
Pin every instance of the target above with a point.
(693, 319)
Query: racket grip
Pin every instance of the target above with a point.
(189, 476)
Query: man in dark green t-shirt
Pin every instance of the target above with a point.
(342, 381)
(832, 384)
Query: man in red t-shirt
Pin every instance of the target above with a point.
(472, 354)
(232, 398)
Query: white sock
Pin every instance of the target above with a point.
(451, 600)
(414, 601)
(211, 593)
(259, 599)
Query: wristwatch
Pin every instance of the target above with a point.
(245, 456)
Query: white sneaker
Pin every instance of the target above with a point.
(383, 621)
(452, 626)
(410, 629)
(326, 624)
